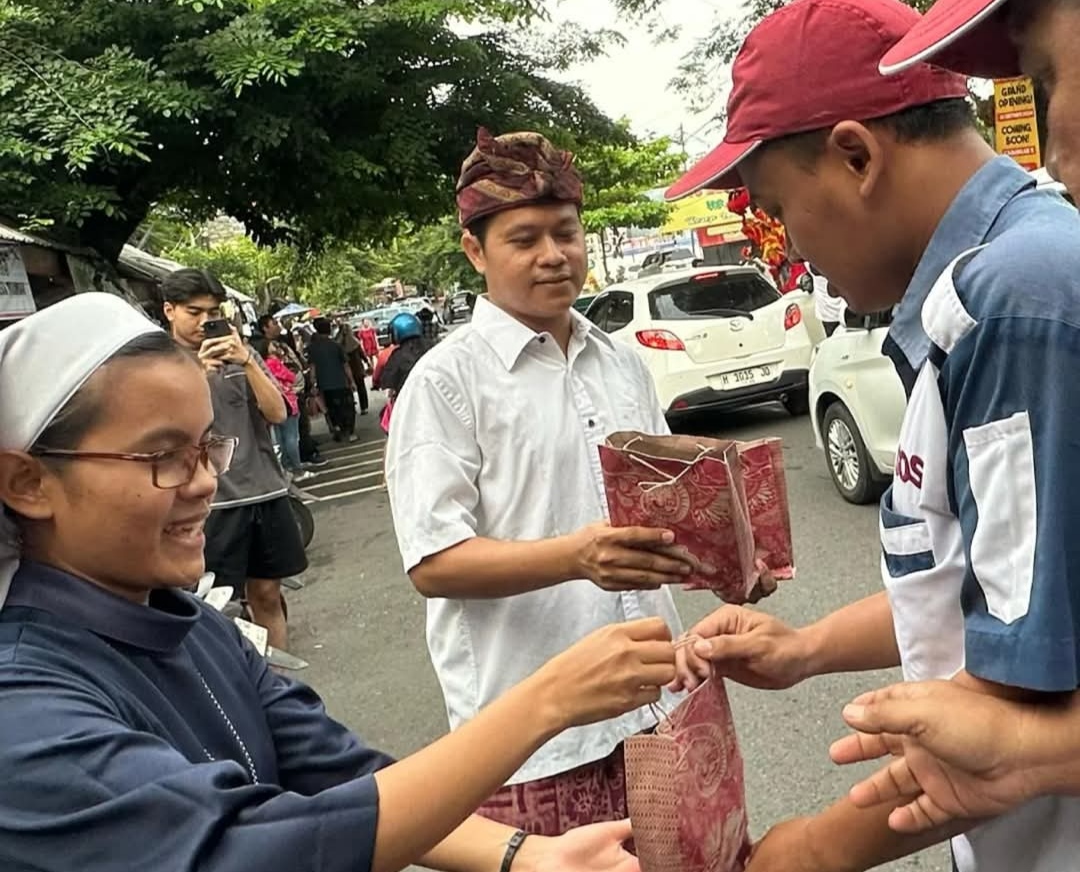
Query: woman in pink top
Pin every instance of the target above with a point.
(288, 432)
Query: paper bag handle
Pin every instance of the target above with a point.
(650, 486)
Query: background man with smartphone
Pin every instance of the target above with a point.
(252, 540)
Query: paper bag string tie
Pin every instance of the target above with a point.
(659, 712)
(650, 486)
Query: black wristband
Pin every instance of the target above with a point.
(512, 848)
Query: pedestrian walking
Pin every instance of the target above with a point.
(333, 380)
(369, 339)
(287, 433)
(358, 364)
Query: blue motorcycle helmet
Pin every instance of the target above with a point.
(405, 326)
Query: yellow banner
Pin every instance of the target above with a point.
(1016, 129)
(703, 209)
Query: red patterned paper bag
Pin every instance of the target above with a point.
(685, 790)
(765, 484)
(694, 488)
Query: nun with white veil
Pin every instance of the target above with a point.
(139, 730)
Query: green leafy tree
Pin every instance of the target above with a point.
(241, 263)
(307, 120)
(617, 177)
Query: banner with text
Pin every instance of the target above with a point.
(1016, 129)
(16, 297)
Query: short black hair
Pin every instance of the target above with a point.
(323, 326)
(187, 284)
(930, 122)
(263, 321)
(479, 228)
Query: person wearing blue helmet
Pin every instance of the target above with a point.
(407, 335)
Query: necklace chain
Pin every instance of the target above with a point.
(232, 729)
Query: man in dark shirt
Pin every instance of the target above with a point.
(429, 325)
(334, 380)
(252, 540)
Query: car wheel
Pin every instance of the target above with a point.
(798, 403)
(850, 466)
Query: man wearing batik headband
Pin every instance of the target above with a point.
(887, 187)
(495, 484)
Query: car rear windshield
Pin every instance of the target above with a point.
(719, 296)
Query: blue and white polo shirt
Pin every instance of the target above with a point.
(980, 531)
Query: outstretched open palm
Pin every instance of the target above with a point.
(953, 752)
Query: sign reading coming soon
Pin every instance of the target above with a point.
(1016, 129)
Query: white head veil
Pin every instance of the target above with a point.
(44, 360)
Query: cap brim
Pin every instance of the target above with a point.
(965, 36)
(718, 169)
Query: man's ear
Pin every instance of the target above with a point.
(860, 152)
(170, 311)
(474, 251)
(22, 485)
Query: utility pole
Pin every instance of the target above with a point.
(681, 139)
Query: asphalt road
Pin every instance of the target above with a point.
(361, 625)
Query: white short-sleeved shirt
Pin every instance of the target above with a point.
(496, 435)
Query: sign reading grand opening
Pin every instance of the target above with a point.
(1016, 129)
(16, 297)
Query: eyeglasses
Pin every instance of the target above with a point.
(168, 469)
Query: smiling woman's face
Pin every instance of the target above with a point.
(104, 519)
(534, 261)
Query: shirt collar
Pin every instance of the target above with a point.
(509, 337)
(966, 224)
(159, 627)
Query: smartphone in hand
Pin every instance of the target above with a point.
(218, 329)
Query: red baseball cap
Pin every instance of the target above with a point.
(808, 66)
(968, 36)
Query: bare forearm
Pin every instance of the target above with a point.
(844, 838)
(489, 569)
(478, 845)
(267, 395)
(424, 798)
(857, 638)
(1050, 745)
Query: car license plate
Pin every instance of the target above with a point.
(741, 378)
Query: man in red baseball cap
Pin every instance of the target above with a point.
(885, 185)
(1003, 38)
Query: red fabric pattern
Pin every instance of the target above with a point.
(685, 789)
(590, 794)
(516, 169)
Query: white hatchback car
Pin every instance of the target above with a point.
(712, 337)
(857, 405)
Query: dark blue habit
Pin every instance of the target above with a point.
(115, 757)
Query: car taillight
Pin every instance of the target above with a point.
(661, 340)
(792, 317)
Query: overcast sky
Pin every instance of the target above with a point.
(635, 80)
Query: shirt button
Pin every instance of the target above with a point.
(542, 340)
(592, 423)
